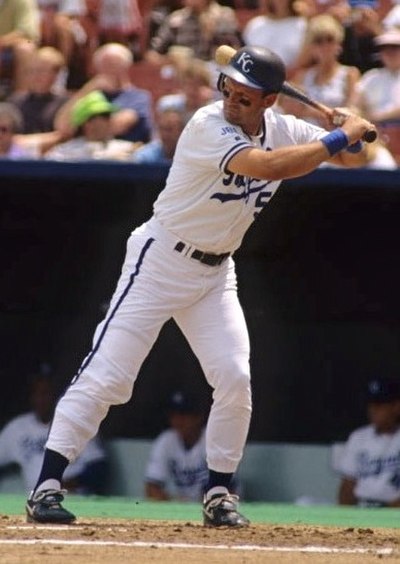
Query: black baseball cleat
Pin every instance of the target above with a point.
(45, 507)
(221, 511)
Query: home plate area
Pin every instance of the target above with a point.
(111, 540)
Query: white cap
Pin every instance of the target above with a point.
(390, 37)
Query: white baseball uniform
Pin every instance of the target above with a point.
(373, 460)
(180, 470)
(204, 208)
(22, 442)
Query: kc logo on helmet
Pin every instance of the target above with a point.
(246, 62)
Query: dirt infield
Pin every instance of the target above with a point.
(110, 540)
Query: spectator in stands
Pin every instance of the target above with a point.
(379, 89)
(195, 91)
(327, 80)
(201, 25)
(22, 442)
(378, 92)
(281, 27)
(311, 8)
(61, 25)
(19, 33)
(392, 18)
(380, 157)
(134, 120)
(11, 121)
(370, 462)
(158, 13)
(44, 97)
(91, 115)
(170, 123)
(120, 21)
(177, 467)
(362, 25)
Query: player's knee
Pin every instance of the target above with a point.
(232, 384)
(113, 387)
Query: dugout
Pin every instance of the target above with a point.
(319, 282)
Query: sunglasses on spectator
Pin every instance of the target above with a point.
(389, 47)
(320, 39)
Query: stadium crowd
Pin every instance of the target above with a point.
(118, 79)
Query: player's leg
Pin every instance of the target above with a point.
(106, 377)
(216, 330)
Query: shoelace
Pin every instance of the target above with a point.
(51, 497)
(219, 500)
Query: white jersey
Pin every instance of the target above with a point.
(203, 203)
(183, 472)
(373, 461)
(285, 36)
(380, 89)
(332, 93)
(22, 442)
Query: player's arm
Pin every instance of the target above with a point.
(157, 469)
(346, 492)
(156, 491)
(297, 160)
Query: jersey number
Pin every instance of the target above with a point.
(261, 201)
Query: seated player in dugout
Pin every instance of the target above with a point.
(23, 438)
(177, 467)
(370, 463)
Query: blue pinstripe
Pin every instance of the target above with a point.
(132, 277)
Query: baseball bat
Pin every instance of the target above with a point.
(224, 54)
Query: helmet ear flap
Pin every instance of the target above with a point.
(220, 82)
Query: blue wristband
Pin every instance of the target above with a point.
(355, 147)
(335, 141)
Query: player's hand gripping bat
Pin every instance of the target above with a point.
(224, 54)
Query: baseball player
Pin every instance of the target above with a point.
(229, 161)
(177, 467)
(23, 439)
(370, 464)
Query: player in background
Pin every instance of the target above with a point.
(229, 161)
(370, 463)
(177, 467)
(23, 439)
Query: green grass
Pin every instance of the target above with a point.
(279, 514)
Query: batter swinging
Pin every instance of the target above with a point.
(229, 161)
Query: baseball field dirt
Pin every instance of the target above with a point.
(277, 534)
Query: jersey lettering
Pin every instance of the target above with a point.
(188, 476)
(250, 185)
(373, 466)
(227, 130)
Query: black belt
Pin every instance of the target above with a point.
(206, 258)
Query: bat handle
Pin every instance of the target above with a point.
(369, 136)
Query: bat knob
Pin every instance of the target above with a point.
(370, 136)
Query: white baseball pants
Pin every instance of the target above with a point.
(158, 283)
